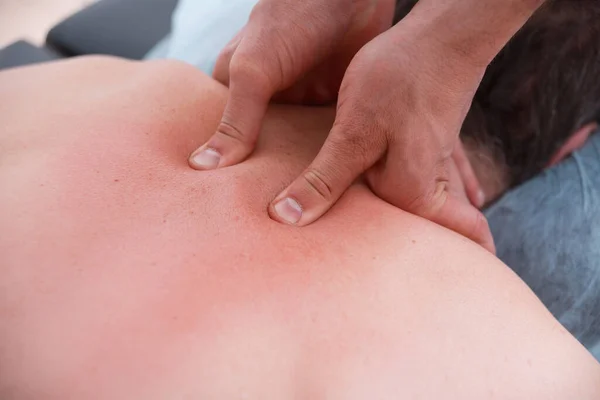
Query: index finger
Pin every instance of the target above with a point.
(237, 133)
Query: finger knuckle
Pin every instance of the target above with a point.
(233, 132)
(427, 202)
(318, 183)
(421, 204)
(261, 9)
(353, 142)
(356, 145)
(246, 67)
(226, 55)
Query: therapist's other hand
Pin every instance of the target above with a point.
(295, 50)
(400, 108)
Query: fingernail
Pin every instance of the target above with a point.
(288, 210)
(207, 159)
(480, 198)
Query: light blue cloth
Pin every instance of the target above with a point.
(547, 230)
(201, 28)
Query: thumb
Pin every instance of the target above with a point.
(237, 133)
(344, 157)
(463, 218)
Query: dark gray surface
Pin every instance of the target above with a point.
(124, 28)
(23, 53)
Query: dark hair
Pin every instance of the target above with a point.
(540, 88)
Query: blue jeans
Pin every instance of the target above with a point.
(547, 230)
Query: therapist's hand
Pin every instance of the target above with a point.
(400, 108)
(295, 50)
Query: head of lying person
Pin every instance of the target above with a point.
(539, 99)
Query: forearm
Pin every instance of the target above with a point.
(475, 30)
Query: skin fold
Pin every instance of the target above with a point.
(124, 274)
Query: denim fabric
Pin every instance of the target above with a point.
(547, 230)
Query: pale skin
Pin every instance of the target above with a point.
(126, 275)
(403, 95)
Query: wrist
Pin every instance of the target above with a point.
(473, 31)
(444, 64)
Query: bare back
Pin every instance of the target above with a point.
(124, 274)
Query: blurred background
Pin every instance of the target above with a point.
(31, 19)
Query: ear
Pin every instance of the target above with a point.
(575, 142)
